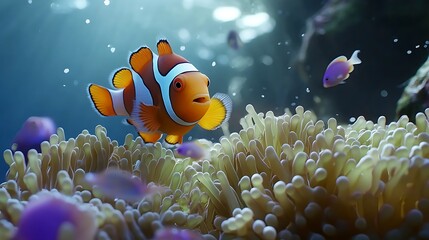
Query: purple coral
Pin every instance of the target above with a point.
(47, 216)
(177, 234)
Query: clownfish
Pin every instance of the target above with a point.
(162, 94)
(339, 70)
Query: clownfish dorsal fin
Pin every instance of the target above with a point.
(102, 100)
(122, 78)
(219, 112)
(164, 47)
(140, 58)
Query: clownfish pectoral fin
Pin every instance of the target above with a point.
(102, 100)
(219, 112)
(140, 58)
(164, 47)
(122, 78)
(173, 139)
(150, 137)
(148, 115)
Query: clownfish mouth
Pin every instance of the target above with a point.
(202, 98)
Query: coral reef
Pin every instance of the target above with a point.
(280, 177)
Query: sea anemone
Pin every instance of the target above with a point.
(280, 177)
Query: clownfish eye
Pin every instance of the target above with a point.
(178, 84)
(208, 82)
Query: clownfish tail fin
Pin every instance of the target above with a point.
(102, 100)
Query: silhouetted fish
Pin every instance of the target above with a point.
(233, 39)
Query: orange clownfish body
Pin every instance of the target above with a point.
(161, 94)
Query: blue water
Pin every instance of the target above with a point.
(51, 51)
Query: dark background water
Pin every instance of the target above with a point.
(39, 39)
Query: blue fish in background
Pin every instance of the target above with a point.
(195, 149)
(116, 183)
(233, 39)
(33, 132)
(339, 70)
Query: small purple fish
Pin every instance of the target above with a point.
(193, 150)
(233, 39)
(33, 132)
(339, 70)
(43, 218)
(177, 234)
(115, 183)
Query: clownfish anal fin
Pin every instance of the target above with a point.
(102, 100)
(150, 137)
(148, 115)
(173, 139)
(122, 78)
(219, 112)
(140, 58)
(164, 47)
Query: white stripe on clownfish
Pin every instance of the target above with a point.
(144, 96)
(118, 102)
(164, 83)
